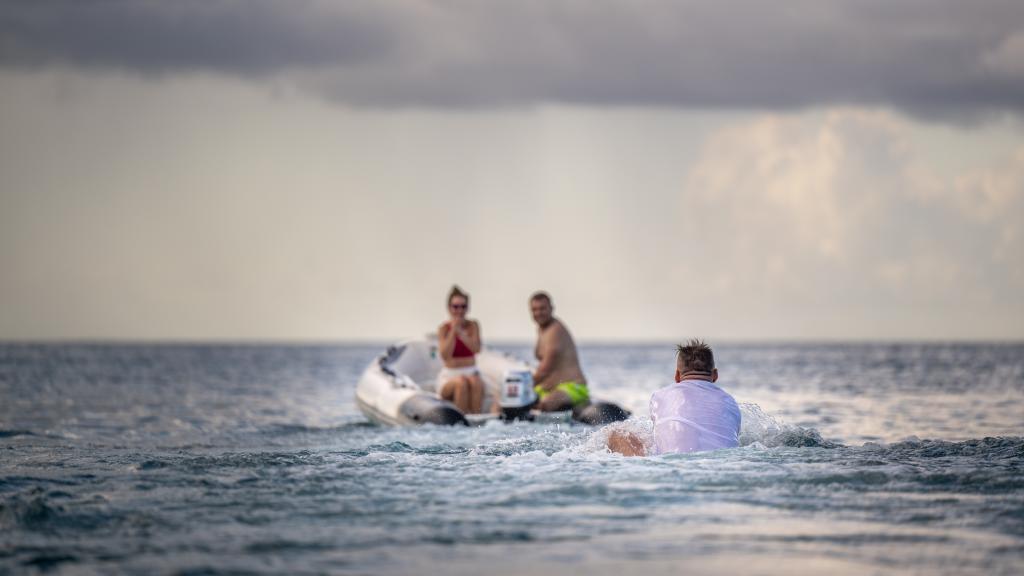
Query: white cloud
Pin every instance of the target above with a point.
(1007, 59)
(994, 198)
(839, 210)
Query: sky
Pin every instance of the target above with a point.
(308, 170)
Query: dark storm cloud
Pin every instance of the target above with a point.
(235, 36)
(934, 56)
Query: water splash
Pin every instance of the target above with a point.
(760, 428)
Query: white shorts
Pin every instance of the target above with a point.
(447, 374)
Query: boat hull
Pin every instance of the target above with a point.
(399, 388)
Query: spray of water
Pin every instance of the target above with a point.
(757, 430)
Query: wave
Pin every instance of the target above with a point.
(13, 433)
(37, 510)
(29, 514)
(290, 429)
(759, 428)
(231, 460)
(1001, 448)
(57, 512)
(46, 561)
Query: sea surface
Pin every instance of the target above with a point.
(239, 459)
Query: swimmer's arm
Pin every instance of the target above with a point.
(626, 443)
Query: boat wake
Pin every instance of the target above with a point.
(758, 429)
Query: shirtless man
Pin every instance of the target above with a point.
(558, 380)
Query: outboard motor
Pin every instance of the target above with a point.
(517, 394)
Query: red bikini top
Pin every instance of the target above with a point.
(461, 350)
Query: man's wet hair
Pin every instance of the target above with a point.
(695, 356)
(456, 292)
(540, 295)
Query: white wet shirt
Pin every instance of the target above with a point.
(694, 415)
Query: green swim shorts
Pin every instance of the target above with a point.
(577, 392)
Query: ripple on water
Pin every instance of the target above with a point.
(206, 459)
(62, 514)
(13, 433)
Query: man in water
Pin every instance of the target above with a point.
(558, 380)
(689, 416)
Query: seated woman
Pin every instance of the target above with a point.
(458, 342)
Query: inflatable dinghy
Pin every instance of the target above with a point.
(399, 388)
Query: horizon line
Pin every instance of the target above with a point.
(583, 342)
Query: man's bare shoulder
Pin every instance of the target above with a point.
(557, 329)
(562, 333)
(549, 338)
(552, 335)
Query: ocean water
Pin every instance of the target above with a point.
(174, 459)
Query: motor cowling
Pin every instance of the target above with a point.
(516, 394)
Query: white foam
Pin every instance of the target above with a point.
(758, 427)
(640, 426)
(758, 431)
